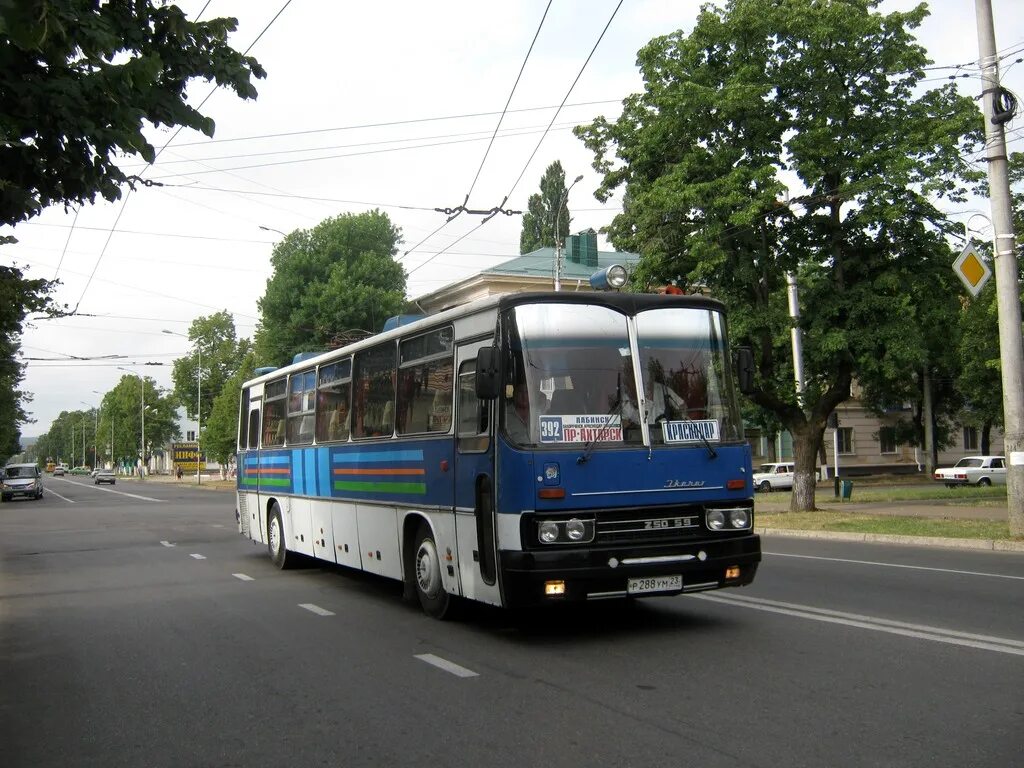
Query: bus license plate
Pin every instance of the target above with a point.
(654, 584)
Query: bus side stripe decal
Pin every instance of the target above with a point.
(368, 456)
(309, 455)
(297, 479)
(324, 471)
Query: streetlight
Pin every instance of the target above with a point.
(558, 239)
(265, 229)
(199, 398)
(96, 392)
(142, 409)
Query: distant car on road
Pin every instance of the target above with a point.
(21, 480)
(974, 470)
(773, 477)
(104, 476)
(80, 471)
(58, 471)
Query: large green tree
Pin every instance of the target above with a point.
(329, 281)
(824, 96)
(546, 211)
(214, 340)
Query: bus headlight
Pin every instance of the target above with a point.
(547, 531)
(740, 518)
(715, 519)
(575, 530)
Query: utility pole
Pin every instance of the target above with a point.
(1011, 352)
(558, 239)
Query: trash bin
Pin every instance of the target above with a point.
(846, 489)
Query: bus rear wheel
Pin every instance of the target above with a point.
(426, 575)
(279, 553)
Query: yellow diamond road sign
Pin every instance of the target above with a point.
(972, 270)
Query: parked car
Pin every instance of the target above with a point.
(773, 477)
(79, 470)
(974, 470)
(21, 480)
(104, 476)
(58, 471)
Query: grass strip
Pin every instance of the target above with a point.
(901, 526)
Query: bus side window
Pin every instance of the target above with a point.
(473, 426)
(254, 429)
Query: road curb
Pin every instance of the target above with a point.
(992, 545)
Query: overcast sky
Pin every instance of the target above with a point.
(387, 104)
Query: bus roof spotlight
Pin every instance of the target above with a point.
(611, 278)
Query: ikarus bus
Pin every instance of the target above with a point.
(524, 449)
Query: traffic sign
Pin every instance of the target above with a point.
(972, 269)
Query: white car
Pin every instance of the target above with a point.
(973, 470)
(774, 477)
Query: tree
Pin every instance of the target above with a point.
(18, 297)
(221, 432)
(542, 214)
(825, 92)
(213, 339)
(79, 81)
(338, 277)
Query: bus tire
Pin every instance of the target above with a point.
(426, 575)
(279, 554)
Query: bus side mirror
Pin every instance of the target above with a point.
(488, 383)
(745, 369)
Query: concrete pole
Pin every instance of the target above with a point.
(1011, 352)
(927, 418)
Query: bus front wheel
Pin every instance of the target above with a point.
(426, 575)
(279, 553)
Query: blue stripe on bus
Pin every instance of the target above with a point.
(323, 472)
(298, 486)
(368, 456)
(273, 460)
(309, 472)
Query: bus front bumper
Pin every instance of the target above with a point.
(539, 577)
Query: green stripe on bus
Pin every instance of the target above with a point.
(249, 481)
(348, 485)
(279, 482)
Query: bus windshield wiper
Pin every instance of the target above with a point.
(584, 457)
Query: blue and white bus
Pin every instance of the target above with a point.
(522, 449)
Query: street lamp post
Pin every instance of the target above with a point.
(199, 400)
(558, 238)
(95, 430)
(97, 392)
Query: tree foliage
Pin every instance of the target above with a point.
(214, 340)
(824, 96)
(79, 81)
(221, 431)
(18, 297)
(542, 212)
(338, 277)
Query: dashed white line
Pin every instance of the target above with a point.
(316, 609)
(54, 493)
(898, 565)
(197, 556)
(168, 544)
(447, 666)
(242, 577)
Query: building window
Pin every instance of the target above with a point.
(887, 439)
(845, 439)
(190, 436)
(970, 438)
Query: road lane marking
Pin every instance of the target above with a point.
(111, 490)
(918, 631)
(168, 544)
(53, 492)
(197, 556)
(897, 565)
(447, 666)
(242, 577)
(316, 609)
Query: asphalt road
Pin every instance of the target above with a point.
(141, 630)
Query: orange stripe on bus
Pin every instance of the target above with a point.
(268, 471)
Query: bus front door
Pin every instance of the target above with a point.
(474, 483)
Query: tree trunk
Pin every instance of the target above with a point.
(806, 439)
(986, 438)
(770, 441)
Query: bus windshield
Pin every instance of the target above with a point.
(573, 377)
